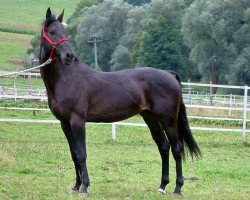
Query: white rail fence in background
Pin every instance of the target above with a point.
(18, 91)
(191, 98)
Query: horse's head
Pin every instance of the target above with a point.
(54, 42)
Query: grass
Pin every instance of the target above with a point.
(28, 14)
(35, 163)
(13, 48)
(24, 16)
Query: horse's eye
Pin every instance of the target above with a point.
(52, 32)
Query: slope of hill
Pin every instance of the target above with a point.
(24, 15)
(28, 14)
(13, 47)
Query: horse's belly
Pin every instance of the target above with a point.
(115, 112)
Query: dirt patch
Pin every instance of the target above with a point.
(7, 159)
(24, 27)
(16, 62)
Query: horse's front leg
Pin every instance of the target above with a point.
(66, 127)
(79, 149)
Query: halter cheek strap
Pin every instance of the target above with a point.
(54, 44)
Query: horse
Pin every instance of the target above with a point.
(78, 94)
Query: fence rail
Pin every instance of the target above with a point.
(191, 98)
(115, 124)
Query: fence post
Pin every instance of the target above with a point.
(30, 83)
(189, 94)
(230, 105)
(15, 91)
(211, 94)
(113, 131)
(244, 115)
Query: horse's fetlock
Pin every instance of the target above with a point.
(165, 180)
(180, 181)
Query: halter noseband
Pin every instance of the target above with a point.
(54, 44)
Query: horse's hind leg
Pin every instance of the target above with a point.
(160, 139)
(176, 148)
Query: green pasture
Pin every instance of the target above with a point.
(28, 14)
(35, 163)
(13, 49)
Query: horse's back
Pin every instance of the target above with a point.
(148, 88)
(152, 76)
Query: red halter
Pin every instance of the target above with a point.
(54, 44)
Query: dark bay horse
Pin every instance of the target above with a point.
(78, 94)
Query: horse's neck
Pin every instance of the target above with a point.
(56, 73)
(50, 76)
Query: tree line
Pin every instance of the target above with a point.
(202, 40)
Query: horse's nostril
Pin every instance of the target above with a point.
(70, 55)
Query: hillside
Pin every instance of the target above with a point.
(24, 15)
(13, 47)
(28, 14)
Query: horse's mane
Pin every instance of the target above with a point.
(49, 21)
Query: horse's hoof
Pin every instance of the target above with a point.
(83, 194)
(161, 191)
(72, 191)
(177, 194)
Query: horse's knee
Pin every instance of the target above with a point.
(166, 147)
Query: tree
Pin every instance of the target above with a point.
(121, 57)
(137, 2)
(35, 45)
(73, 21)
(159, 45)
(218, 33)
(140, 17)
(106, 22)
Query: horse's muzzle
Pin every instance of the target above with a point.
(69, 58)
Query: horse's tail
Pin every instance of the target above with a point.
(185, 134)
(184, 131)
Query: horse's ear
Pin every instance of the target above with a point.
(48, 13)
(60, 17)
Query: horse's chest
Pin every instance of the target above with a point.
(59, 110)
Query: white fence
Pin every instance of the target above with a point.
(18, 91)
(192, 99)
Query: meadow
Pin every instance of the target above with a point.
(35, 163)
(13, 48)
(24, 16)
(28, 14)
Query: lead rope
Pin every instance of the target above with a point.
(26, 70)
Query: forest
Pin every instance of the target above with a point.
(202, 40)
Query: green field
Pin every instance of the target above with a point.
(28, 14)
(24, 15)
(35, 163)
(13, 48)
